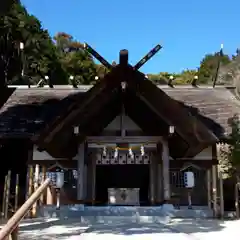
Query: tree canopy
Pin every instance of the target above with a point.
(63, 59)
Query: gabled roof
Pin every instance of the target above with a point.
(35, 107)
(27, 111)
(187, 126)
(195, 135)
(82, 112)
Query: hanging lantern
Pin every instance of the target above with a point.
(59, 179)
(116, 153)
(142, 151)
(104, 151)
(58, 186)
(131, 153)
(76, 130)
(171, 129)
(123, 85)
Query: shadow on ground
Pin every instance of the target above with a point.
(51, 229)
(190, 226)
(62, 229)
(187, 226)
(129, 229)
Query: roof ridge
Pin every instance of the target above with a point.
(87, 87)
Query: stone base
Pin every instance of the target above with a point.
(93, 215)
(195, 212)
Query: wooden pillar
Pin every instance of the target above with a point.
(49, 192)
(50, 196)
(80, 170)
(89, 179)
(209, 189)
(159, 194)
(27, 183)
(35, 185)
(85, 184)
(237, 200)
(7, 196)
(153, 168)
(166, 175)
(221, 194)
(29, 177)
(30, 184)
(152, 178)
(93, 177)
(214, 190)
(220, 178)
(43, 197)
(30, 181)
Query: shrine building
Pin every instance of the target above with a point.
(122, 135)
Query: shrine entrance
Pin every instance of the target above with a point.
(122, 184)
(122, 169)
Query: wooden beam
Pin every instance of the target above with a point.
(69, 164)
(130, 139)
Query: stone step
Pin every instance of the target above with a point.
(103, 211)
(77, 211)
(192, 213)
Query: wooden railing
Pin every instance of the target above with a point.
(14, 221)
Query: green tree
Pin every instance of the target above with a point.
(185, 77)
(74, 59)
(101, 70)
(160, 78)
(230, 152)
(234, 153)
(208, 66)
(17, 26)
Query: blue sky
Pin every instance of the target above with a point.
(187, 29)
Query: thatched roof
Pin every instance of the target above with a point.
(27, 111)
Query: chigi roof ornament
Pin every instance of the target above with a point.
(123, 57)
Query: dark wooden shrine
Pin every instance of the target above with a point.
(144, 102)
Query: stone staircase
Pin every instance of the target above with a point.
(98, 215)
(196, 212)
(74, 220)
(109, 214)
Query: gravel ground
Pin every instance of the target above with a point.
(179, 229)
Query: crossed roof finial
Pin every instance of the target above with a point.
(123, 57)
